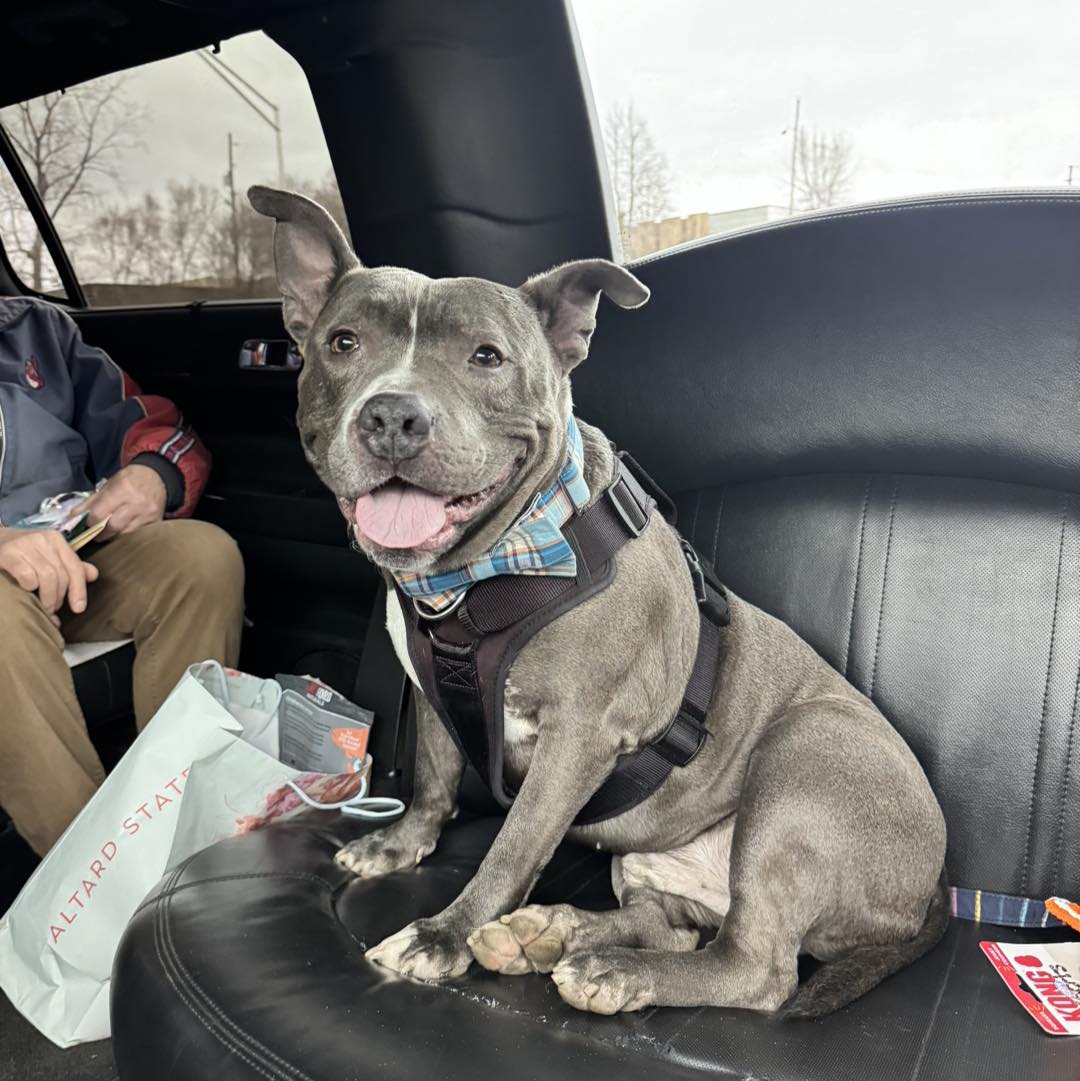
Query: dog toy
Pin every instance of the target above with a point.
(1066, 911)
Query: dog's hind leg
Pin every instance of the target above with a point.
(665, 897)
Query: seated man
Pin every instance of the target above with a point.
(69, 417)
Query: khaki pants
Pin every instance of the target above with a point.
(176, 587)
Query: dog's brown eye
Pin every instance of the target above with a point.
(344, 341)
(487, 356)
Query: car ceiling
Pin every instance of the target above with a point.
(53, 44)
(462, 137)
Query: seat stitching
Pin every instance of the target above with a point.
(297, 875)
(1045, 701)
(977, 478)
(693, 521)
(1065, 785)
(566, 872)
(916, 1069)
(884, 586)
(170, 975)
(694, 1015)
(582, 886)
(228, 1029)
(187, 989)
(858, 572)
(716, 532)
(212, 1011)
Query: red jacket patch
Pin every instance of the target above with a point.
(34, 379)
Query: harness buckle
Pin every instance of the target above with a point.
(620, 486)
(697, 572)
(716, 610)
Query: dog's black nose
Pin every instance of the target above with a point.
(395, 426)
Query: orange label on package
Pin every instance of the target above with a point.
(353, 744)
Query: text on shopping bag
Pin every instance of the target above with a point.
(128, 828)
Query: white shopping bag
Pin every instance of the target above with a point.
(204, 768)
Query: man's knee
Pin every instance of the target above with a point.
(198, 559)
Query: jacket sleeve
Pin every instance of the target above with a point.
(121, 424)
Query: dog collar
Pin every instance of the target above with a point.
(533, 545)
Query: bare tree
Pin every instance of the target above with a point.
(824, 169)
(159, 239)
(255, 234)
(69, 142)
(638, 169)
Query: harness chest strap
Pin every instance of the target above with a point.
(462, 658)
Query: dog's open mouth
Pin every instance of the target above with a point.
(403, 516)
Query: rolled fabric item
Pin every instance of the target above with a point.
(1065, 910)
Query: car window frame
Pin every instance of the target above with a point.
(73, 291)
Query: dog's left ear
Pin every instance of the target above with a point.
(310, 254)
(566, 299)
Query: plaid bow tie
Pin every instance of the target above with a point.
(534, 545)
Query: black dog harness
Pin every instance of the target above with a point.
(462, 656)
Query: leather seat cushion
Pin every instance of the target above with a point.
(253, 950)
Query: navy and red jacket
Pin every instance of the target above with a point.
(69, 417)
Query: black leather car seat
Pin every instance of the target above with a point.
(871, 421)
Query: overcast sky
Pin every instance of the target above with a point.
(934, 95)
(190, 113)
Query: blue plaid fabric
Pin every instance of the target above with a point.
(1003, 909)
(534, 545)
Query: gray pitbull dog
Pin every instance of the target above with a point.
(804, 825)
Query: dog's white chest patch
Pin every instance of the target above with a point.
(699, 870)
(395, 624)
(519, 725)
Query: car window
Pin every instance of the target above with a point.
(717, 116)
(22, 244)
(144, 173)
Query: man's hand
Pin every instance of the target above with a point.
(132, 498)
(41, 560)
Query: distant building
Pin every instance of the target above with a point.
(650, 236)
(727, 221)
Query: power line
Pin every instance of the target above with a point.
(220, 68)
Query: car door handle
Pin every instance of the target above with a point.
(262, 353)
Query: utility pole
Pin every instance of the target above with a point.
(794, 155)
(230, 179)
(1069, 178)
(231, 78)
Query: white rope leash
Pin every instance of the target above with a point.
(359, 806)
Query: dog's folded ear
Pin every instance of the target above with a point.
(310, 254)
(566, 299)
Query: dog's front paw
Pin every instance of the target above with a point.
(606, 980)
(382, 852)
(532, 939)
(424, 950)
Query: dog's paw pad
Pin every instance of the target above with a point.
(495, 947)
(605, 982)
(532, 939)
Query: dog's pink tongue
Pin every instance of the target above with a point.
(399, 515)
